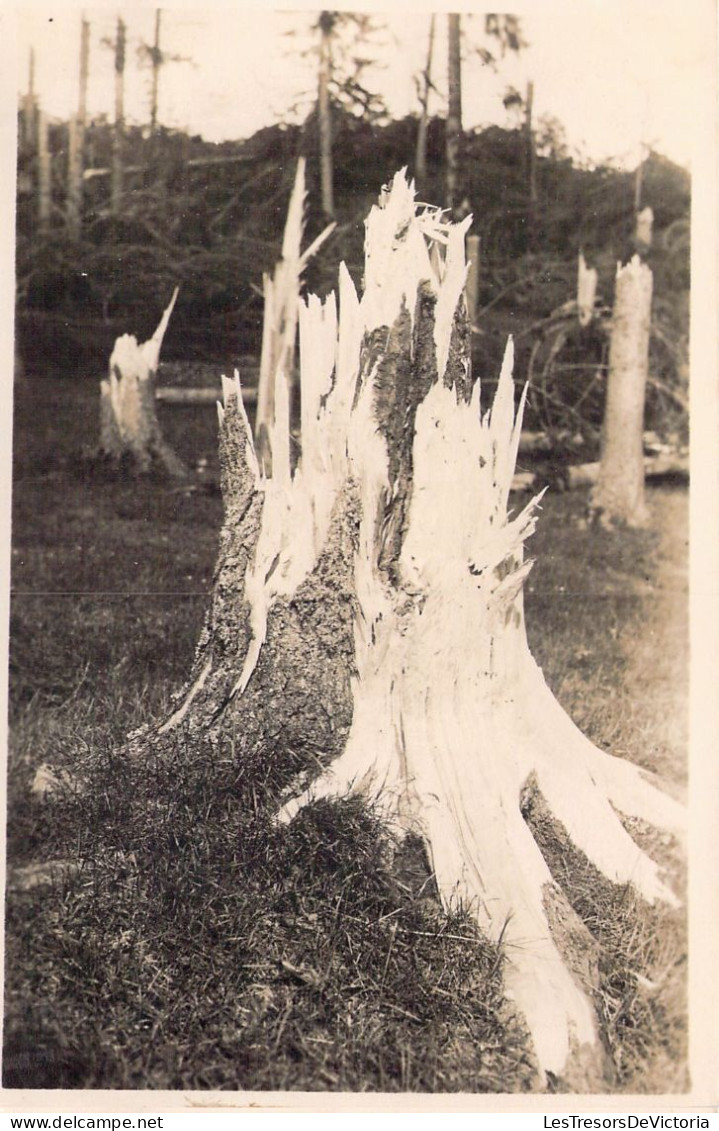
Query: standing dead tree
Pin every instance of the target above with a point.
(366, 632)
(279, 331)
(118, 133)
(130, 433)
(453, 129)
(425, 85)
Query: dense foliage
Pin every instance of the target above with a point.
(210, 217)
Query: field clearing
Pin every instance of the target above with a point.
(198, 946)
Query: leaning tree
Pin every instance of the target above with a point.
(366, 628)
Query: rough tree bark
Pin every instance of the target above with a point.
(366, 632)
(130, 434)
(619, 493)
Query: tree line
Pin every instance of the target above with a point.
(160, 208)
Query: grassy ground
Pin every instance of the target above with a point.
(192, 944)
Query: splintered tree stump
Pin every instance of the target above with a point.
(619, 492)
(130, 434)
(587, 279)
(366, 633)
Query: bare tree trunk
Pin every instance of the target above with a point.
(531, 169)
(643, 230)
(454, 114)
(77, 140)
(420, 161)
(44, 171)
(29, 115)
(324, 114)
(366, 633)
(639, 184)
(279, 331)
(118, 135)
(619, 493)
(130, 434)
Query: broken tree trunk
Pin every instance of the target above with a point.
(279, 331)
(130, 434)
(619, 493)
(587, 279)
(366, 632)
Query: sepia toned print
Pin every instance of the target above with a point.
(348, 741)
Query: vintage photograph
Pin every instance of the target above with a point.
(348, 710)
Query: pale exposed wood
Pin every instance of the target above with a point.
(587, 474)
(643, 232)
(420, 161)
(44, 170)
(619, 492)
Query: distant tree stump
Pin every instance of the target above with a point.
(366, 632)
(130, 434)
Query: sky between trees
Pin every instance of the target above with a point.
(616, 73)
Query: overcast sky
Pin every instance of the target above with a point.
(616, 73)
